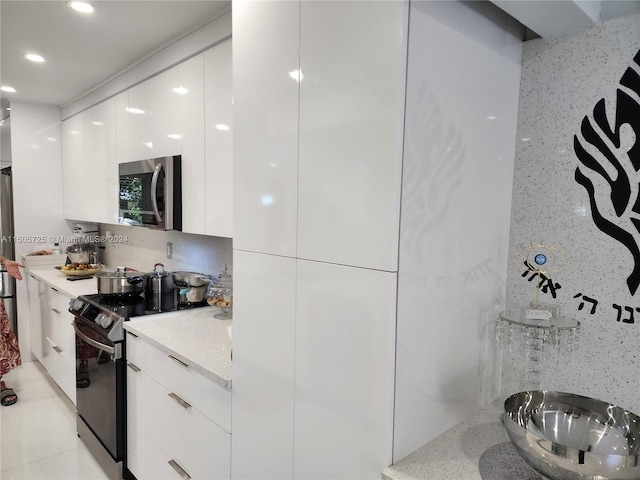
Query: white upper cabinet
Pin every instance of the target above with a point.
(352, 59)
(218, 116)
(138, 124)
(266, 59)
(89, 165)
(74, 171)
(101, 163)
(178, 129)
(162, 116)
(124, 151)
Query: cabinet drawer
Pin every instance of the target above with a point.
(135, 350)
(199, 446)
(203, 394)
(58, 302)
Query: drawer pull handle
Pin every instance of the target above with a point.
(133, 367)
(55, 310)
(179, 469)
(180, 401)
(54, 346)
(132, 334)
(179, 361)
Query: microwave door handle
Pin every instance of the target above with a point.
(154, 187)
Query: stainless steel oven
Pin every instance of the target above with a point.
(151, 193)
(100, 372)
(100, 384)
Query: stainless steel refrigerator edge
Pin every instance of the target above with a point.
(7, 283)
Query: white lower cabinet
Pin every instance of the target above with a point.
(178, 422)
(61, 340)
(52, 335)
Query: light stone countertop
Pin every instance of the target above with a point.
(455, 454)
(58, 280)
(192, 336)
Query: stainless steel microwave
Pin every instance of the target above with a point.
(151, 193)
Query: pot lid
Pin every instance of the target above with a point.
(118, 274)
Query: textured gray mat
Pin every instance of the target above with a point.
(502, 462)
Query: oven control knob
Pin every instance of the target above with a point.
(106, 321)
(77, 305)
(99, 318)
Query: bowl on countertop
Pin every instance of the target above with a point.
(571, 437)
(80, 270)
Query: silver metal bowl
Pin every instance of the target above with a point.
(571, 437)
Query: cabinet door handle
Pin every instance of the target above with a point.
(179, 469)
(54, 346)
(55, 310)
(133, 367)
(179, 361)
(180, 401)
(132, 334)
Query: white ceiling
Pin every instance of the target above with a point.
(550, 18)
(82, 52)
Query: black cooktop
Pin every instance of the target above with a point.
(129, 306)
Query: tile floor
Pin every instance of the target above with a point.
(38, 437)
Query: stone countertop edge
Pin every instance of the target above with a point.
(455, 454)
(192, 336)
(58, 280)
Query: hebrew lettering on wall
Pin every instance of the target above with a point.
(610, 171)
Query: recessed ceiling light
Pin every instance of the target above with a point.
(8, 89)
(34, 57)
(82, 7)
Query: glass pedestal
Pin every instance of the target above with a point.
(529, 344)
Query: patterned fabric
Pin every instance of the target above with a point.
(9, 350)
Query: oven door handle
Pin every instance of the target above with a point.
(113, 351)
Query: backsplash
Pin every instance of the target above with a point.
(575, 187)
(142, 248)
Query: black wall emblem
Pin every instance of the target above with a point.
(610, 170)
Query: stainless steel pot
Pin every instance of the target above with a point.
(191, 286)
(158, 282)
(120, 283)
(159, 290)
(81, 253)
(190, 279)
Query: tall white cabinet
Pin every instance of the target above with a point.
(372, 180)
(315, 237)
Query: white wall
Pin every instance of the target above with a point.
(461, 111)
(37, 191)
(562, 81)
